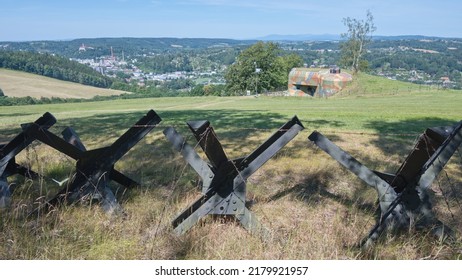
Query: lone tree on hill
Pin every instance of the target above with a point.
(261, 67)
(358, 36)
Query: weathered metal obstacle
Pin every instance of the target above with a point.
(8, 152)
(403, 196)
(95, 168)
(223, 179)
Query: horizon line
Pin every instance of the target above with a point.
(259, 38)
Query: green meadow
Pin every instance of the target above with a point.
(313, 207)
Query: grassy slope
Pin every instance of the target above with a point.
(21, 84)
(314, 208)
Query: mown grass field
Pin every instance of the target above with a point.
(21, 84)
(313, 208)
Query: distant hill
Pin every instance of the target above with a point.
(406, 37)
(21, 84)
(337, 37)
(300, 37)
(97, 47)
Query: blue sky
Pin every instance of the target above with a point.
(22, 20)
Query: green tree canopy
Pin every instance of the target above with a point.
(357, 37)
(260, 67)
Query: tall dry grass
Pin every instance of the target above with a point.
(313, 208)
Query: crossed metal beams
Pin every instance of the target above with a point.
(95, 168)
(8, 152)
(224, 180)
(403, 196)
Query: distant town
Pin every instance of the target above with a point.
(317, 54)
(112, 66)
(183, 63)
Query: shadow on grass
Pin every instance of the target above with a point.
(313, 189)
(232, 126)
(154, 162)
(399, 137)
(16, 114)
(6, 135)
(323, 123)
(114, 124)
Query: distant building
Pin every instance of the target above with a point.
(446, 82)
(82, 48)
(445, 79)
(304, 82)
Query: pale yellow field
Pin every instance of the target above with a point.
(21, 84)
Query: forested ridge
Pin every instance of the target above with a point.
(53, 66)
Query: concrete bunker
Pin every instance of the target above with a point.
(307, 82)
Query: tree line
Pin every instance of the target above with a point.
(436, 65)
(53, 66)
(261, 67)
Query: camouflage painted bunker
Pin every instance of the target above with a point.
(305, 81)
